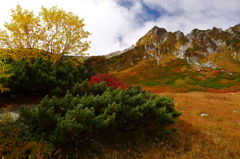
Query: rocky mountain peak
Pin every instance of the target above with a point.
(155, 35)
(158, 31)
(234, 29)
(179, 35)
(209, 58)
(198, 47)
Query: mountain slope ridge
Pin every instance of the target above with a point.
(193, 46)
(200, 60)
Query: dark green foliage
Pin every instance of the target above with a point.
(42, 77)
(92, 111)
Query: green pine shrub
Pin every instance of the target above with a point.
(42, 77)
(92, 111)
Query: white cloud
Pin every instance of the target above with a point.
(203, 14)
(115, 27)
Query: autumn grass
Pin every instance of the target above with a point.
(213, 136)
(216, 136)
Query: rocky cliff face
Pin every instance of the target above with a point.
(195, 47)
(198, 47)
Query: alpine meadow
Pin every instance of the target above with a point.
(169, 95)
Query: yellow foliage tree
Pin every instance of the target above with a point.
(54, 30)
(63, 32)
(24, 30)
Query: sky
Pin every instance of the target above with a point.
(118, 24)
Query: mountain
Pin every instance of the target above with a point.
(201, 60)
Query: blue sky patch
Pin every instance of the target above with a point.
(152, 14)
(149, 13)
(120, 39)
(125, 3)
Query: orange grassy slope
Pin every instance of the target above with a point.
(214, 136)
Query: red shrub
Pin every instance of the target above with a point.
(111, 81)
(215, 73)
(177, 70)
